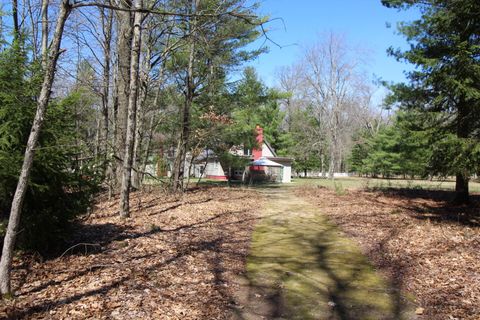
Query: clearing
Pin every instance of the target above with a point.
(301, 252)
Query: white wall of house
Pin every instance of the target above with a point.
(213, 168)
(287, 174)
(266, 152)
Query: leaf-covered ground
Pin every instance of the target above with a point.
(426, 246)
(175, 258)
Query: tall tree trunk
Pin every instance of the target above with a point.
(16, 28)
(43, 99)
(147, 150)
(124, 45)
(461, 189)
(179, 164)
(44, 44)
(107, 21)
(132, 110)
(461, 184)
(322, 163)
(141, 114)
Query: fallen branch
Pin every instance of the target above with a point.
(80, 244)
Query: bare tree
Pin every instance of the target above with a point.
(331, 72)
(179, 164)
(124, 45)
(44, 44)
(132, 111)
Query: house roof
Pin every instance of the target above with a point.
(264, 162)
(270, 147)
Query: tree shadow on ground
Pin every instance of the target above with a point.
(47, 305)
(315, 274)
(219, 242)
(436, 205)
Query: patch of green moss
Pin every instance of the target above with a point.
(321, 273)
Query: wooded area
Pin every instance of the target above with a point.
(102, 98)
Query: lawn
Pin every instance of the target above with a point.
(376, 183)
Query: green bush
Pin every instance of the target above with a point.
(60, 187)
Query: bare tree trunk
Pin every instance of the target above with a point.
(179, 164)
(44, 44)
(16, 28)
(141, 114)
(113, 165)
(43, 99)
(322, 163)
(132, 110)
(331, 166)
(124, 45)
(461, 184)
(107, 21)
(147, 150)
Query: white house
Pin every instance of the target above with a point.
(207, 165)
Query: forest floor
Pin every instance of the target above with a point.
(426, 246)
(301, 252)
(175, 258)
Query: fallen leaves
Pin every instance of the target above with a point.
(173, 259)
(424, 245)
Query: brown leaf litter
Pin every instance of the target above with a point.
(425, 245)
(175, 258)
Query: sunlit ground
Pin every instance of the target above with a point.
(356, 182)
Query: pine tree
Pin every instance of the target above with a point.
(445, 48)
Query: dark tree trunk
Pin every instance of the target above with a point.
(182, 147)
(124, 45)
(132, 110)
(461, 185)
(461, 190)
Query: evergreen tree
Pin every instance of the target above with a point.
(445, 48)
(59, 188)
(401, 148)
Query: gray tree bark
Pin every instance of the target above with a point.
(124, 45)
(107, 21)
(132, 110)
(44, 44)
(179, 163)
(43, 99)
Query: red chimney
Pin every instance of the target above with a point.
(257, 151)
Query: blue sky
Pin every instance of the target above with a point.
(362, 22)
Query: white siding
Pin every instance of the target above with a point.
(266, 152)
(287, 174)
(214, 168)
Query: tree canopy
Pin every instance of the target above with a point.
(445, 49)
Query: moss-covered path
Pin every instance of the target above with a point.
(301, 266)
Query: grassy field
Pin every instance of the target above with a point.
(345, 183)
(362, 183)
